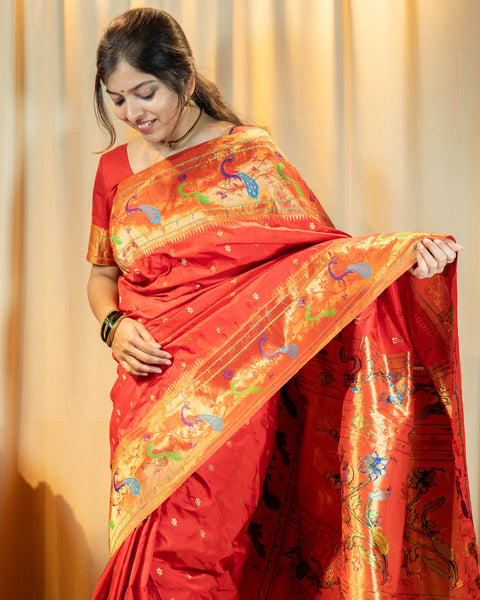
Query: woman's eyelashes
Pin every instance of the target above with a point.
(149, 96)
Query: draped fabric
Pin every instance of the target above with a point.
(375, 103)
(232, 264)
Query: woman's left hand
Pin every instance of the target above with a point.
(433, 256)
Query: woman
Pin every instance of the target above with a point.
(219, 280)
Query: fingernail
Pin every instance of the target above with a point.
(420, 245)
(157, 370)
(168, 362)
(156, 345)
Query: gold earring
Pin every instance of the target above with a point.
(189, 101)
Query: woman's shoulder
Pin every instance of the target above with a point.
(115, 157)
(115, 166)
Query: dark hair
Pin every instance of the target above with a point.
(152, 41)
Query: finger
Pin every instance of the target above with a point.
(146, 357)
(148, 338)
(144, 352)
(453, 245)
(448, 249)
(130, 370)
(439, 251)
(429, 261)
(421, 269)
(136, 367)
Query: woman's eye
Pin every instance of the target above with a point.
(118, 103)
(149, 97)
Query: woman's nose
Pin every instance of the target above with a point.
(132, 109)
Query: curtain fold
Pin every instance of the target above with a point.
(375, 103)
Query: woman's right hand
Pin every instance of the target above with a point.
(137, 350)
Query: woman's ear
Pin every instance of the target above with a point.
(190, 85)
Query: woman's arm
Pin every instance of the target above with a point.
(134, 347)
(432, 257)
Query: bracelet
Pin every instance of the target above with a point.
(108, 323)
(111, 323)
(113, 329)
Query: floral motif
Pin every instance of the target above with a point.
(374, 465)
(174, 522)
(182, 177)
(228, 248)
(256, 296)
(228, 374)
(159, 572)
(422, 480)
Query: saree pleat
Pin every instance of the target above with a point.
(232, 264)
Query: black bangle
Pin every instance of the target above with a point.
(108, 323)
(111, 323)
(113, 330)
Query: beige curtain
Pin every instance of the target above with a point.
(375, 101)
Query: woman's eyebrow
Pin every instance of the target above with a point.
(133, 89)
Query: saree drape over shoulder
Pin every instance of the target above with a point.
(233, 266)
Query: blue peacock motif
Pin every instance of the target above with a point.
(130, 482)
(397, 396)
(250, 184)
(215, 422)
(153, 214)
(363, 269)
(291, 350)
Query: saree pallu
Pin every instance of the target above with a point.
(234, 267)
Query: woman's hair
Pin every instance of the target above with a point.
(152, 41)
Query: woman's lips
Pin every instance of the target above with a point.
(145, 126)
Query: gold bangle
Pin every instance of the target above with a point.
(112, 331)
(108, 321)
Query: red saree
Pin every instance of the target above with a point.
(232, 264)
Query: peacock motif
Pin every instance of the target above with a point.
(243, 391)
(215, 422)
(130, 482)
(363, 269)
(153, 214)
(291, 350)
(250, 184)
(200, 197)
(161, 458)
(329, 312)
(397, 396)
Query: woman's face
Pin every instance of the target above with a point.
(145, 103)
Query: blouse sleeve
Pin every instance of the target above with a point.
(99, 247)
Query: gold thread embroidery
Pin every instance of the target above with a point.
(99, 248)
